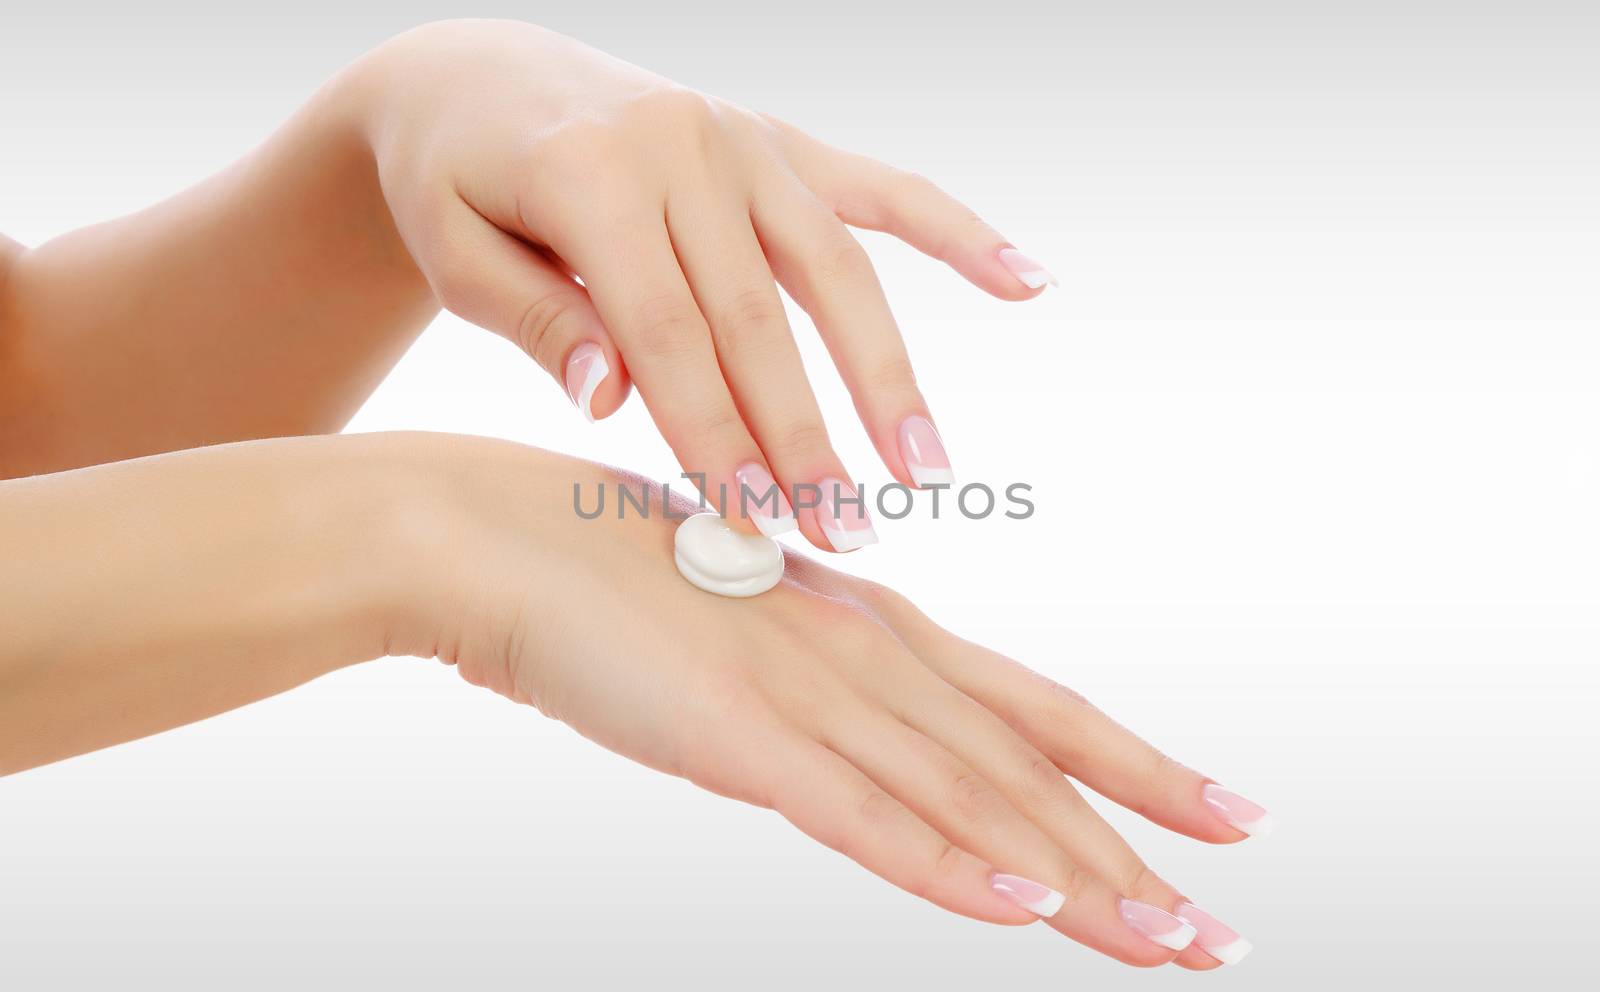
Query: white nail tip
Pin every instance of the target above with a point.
(1177, 939)
(849, 540)
(1230, 953)
(924, 476)
(1047, 907)
(598, 370)
(774, 526)
(1032, 278)
(1259, 828)
(1255, 828)
(1046, 903)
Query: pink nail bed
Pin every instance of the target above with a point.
(923, 453)
(1041, 900)
(842, 514)
(586, 369)
(1237, 811)
(1213, 936)
(1028, 272)
(1156, 925)
(761, 499)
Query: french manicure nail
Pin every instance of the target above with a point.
(1156, 925)
(586, 369)
(761, 499)
(1041, 900)
(1237, 811)
(843, 517)
(923, 453)
(1213, 936)
(1028, 272)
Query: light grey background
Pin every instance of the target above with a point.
(1312, 426)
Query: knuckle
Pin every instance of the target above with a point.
(1040, 782)
(840, 259)
(676, 103)
(911, 183)
(973, 798)
(893, 373)
(544, 325)
(675, 117)
(1066, 705)
(668, 327)
(1137, 878)
(948, 861)
(1074, 882)
(965, 234)
(798, 440)
(751, 322)
(1165, 769)
(878, 809)
(843, 618)
(575, 155)
(716, 423)
(758, 305)
(885, 602)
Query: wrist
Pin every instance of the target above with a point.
(445, 524)
(393, 528)
(345, 207)
(476, 532)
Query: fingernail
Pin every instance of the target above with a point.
(1028, 272)
(843, 516)
(1237, 811)
(1038, 899)
(1156, 925)
(586, 369)
(1213, 936)
(923, 453)
(762, 500)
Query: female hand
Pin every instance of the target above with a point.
(153, 592)
(517, 162)
(929, 760)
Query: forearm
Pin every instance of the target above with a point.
(268, 300)
(146, 594)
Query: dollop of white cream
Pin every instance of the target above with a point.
(719, 559)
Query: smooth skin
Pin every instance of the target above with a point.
(149, 593)
(270, 300)
(488, 167)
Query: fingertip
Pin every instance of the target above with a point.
(1025, 272)
(1192, 958)
(923, 462)
(611, 395)
(998, 281)
(1010, 916)
(1239, 817)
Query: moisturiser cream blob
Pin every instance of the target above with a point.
(719, 559)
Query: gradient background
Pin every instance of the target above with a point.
(1312, 427)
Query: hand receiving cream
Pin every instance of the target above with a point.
(719, 559)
